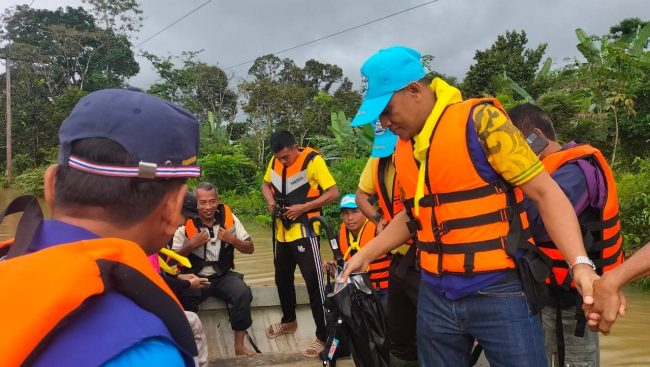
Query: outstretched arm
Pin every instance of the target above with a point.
(609, 301)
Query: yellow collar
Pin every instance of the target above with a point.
(353, 243)
(445, 96)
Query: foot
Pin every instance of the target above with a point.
(243, 351)
(314, 349)
(275, 330)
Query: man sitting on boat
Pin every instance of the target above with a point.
(209, 242)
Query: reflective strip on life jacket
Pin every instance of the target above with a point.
(290, 185)
(470, 219)
(378, 269)
(76, 272)
(603, 237)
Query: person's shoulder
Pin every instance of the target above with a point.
(149, 352)
(180, 231)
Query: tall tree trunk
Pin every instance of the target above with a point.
(8, 119)
(611, 163)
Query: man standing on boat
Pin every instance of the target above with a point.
(297, 184)
(209, 242)
(378, 183)
(585, 177)
(463, 167)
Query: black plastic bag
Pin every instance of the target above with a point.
(337, 344)
(361, 311)
(355, 314)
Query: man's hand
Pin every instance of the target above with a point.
(195, 282)
(270, 206)
(225, 235)
(609, 303)
(584, 277)
(381, 225)
(357, 263)
(295, 211)
(199, 239)
(329, 267)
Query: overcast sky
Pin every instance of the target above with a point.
(234, 31)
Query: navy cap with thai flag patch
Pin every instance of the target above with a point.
(161, 138)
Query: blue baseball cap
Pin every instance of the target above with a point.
(348, 202)
(384, 143)
(387, 71)
(161, 138)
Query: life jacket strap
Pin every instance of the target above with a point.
(430, 200)
(601, 225)
(461, 248)
(603, 244)
(501, 215)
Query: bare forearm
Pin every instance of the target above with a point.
(186, 249)
(245, 247)
(636, 267)
(364, 205)
(267, 192)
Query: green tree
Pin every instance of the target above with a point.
(626, 29)
(67, 49)
(508, 54)
(201, 88)
(299, 99)
(611, 77)
(427, 60)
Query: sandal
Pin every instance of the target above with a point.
(314, 349)
(275, 330)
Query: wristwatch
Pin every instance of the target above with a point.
(580, 260)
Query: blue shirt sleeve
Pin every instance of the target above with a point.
(150, 352)
(573, 183)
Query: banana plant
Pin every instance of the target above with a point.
(347, 141)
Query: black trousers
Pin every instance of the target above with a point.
(228, 287)
(402, 309)
(304, 252)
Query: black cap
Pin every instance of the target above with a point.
(161, 137)
(189, 206)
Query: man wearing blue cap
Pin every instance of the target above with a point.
(461, 166)
(377, 184)
(115, 197)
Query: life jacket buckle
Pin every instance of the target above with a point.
(499, 187)
(505, 214)
(414, 225)
(430, 200)
(503, 242)
(441, 229)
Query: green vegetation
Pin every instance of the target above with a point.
(58, 56)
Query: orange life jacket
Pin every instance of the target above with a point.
(378, 269)
(291, 184)
(226, 259)
(76, 272)
(466, 224)
(226, 221)
(603, 238)
(387, 197)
